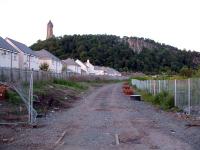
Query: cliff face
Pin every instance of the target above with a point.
(138, 44)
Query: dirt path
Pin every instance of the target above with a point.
(103, 116)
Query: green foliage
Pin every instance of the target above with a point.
(70, 84)
(113, 51)
(186, 72)
(44, 67)
(142, 78)
(13, 98)
(163, 99)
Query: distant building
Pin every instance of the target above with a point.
(27, 58)
(99, 70)
(90, 67)
(49, 30)
(71, 66)
(111, 72)
(84, 68)
(55, 64)
(9, 57)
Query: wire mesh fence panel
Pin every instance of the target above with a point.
(195, 97)
(186, 92)
(182, 95)
(17, 98)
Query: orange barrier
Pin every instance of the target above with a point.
(2, 92)
(127, 89)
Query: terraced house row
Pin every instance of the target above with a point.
(14, 54)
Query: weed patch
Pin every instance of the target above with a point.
(164, 99)
(70, 84)
(13, 97)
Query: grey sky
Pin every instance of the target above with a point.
(174, 22)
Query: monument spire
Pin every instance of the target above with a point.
(49, 30)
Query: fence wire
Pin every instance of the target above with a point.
(17, 109)
(186, 92)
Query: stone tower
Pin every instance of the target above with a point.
(49, 30)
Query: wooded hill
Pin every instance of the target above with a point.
(123, 54)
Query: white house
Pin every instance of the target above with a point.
(90, 67)
(84, 68)
(9, 57)
(27, 57)
(55, 64)
(99, 70)
(71, 66)
(111, 72)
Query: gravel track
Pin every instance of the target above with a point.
(98, 117)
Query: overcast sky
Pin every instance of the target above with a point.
(174, 22)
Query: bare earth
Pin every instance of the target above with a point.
(95, 122)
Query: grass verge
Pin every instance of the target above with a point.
(70, 84)
(164, 100)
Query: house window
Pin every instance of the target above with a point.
(3, 53)
(15, 57)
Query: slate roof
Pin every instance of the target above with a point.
(45, 54)
(7, 46)
(70, 61)
(22, 47)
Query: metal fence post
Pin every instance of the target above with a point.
(159, 86)
(150, 86)
(31, 99)
(154, 87)
(189, 96)
(175, 103)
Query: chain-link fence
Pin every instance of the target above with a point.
(18, 106)
(186, 92)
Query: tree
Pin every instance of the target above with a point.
(44, 67)
(113, 51)
(186, 72)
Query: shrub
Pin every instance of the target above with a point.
(163, 99)
(44, 67)
(186, 72)
(13, 97)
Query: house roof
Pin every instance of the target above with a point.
(46, 54)
(110, 70)
(70, 61)
(7, 46)
(22, 47)
(98, 68)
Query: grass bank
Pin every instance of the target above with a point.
(164, 100)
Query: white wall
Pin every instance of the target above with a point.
(83, 66)
(26, 61)
(29, 61)
(74, 68)
(99, 72)
(54, 65)
(90, 67)
(5, 59)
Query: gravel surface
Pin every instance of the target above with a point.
(96, 121)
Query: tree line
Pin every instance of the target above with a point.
(113, 51)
